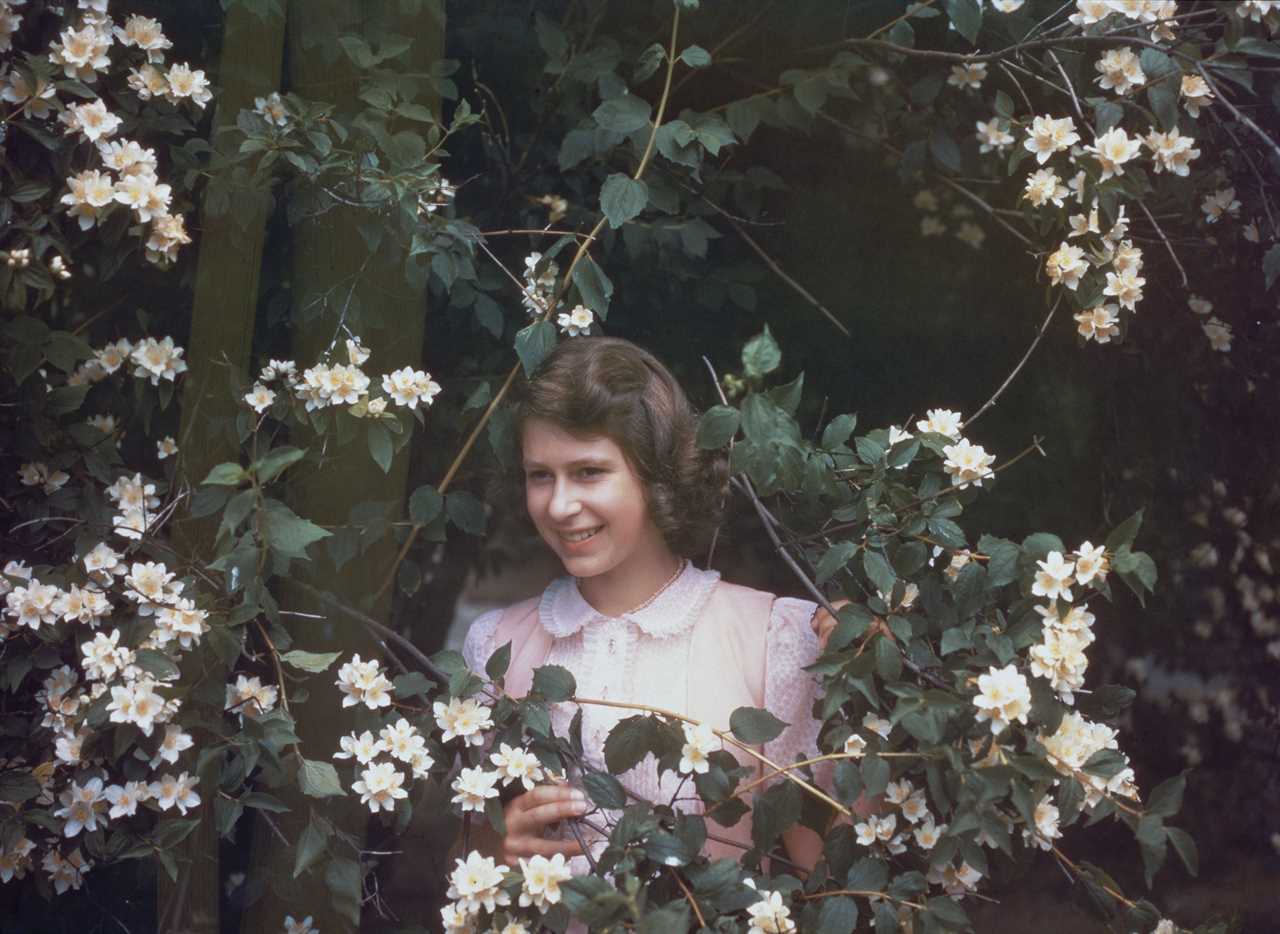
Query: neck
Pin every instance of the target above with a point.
(623, 589)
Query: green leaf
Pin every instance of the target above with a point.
(945, 150)
(275, 461)
(157, 664)
(411, 684)
(879, 571)
(875, 775)
(966, 16)
(1105, 763)
(465, 511)
(622, 198)
(264, 802)
(311, 844)
(604, 790)
(754, 725)
(593, 285)
(1002, 568)
(533, 343)
(1165, 799)
(695, 56)
(319, 779)
(1164, 102)
(288, 533)
(717, 426)
(625, 113)
(227, 474)
(1004, 105)
(1107, 114)
(18, 785)
(837, 432)
(630, 742)
(498, 663)
(380, 446)
(764, 423)
(835, 559)
(342, 878)
(761, 356)
(314, 662)
(947, 912)
(670, 917)
(868, 875)
(65, 399)
(838, 914)
(1271, 264)
(425, 505)
(554, 683)
(1185, 847)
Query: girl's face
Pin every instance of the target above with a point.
(588, 504)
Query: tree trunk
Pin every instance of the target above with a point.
(366, 290)
(222, 323)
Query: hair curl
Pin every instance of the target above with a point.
(609, 386)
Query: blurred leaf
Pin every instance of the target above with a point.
(753, 725)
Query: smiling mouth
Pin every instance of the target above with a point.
(575, 537)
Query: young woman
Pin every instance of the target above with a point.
(614, 483)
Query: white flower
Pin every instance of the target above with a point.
(877, 725)
(1003, 697)
(404, 742)
(88, 193)
(955, 882)
(250, 696)
(1120, 71)
(65, 872)
(466, 718)
(136, 703)
(357, 353)
(855, 746)
(1100, 323)
(33, 605)
(1007, 6)
(33, 98)
(185, 83)
(299, 927)
(1113, 149)
(82, 52)
(81, 805)
(1171, 151)
(177, 792)
(408, 387)
(578, 321)
(476, 883)
(967, 463)
(1043, 186)
(1054, 578)
(516, 764)
(92, 120)
(260, 398)
(699, 742)
(971, 234)
(1066, 265)
(1091, 562)
(364, 683)
(1126, 287)
(876, 828)
(473, 787)
(915, 808)
(124, 799)
(145, 33)
(158, 359)
(1195, 94)
(968, 76)
(941, 422)
(1048, 136)
(1219, 203)
(272, 108)
(167, 234)
(166, 447)
(174, 742)
(770, 915)
(380, 786)
(542, 878)
(1219, 334)
(992, 135)
(927, 835)
(364, 748)
(899, 791)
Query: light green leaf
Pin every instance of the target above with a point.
(313, 662)
(533, 343)
(761, 356)
(319, 779)
(227, 474)
(311, 844)
(695, 56)
(966, 16)
(594, 286)
(275, 461)
(625, 113)
(717, 426)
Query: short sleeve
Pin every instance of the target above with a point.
(479, 642)
(789, 691)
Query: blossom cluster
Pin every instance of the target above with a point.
(107, 672)
(336, 384)
(965, 463)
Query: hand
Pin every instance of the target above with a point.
(528, 815)
(824, 622)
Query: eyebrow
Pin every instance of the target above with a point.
(580, 462)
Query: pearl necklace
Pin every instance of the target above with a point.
(657, 593)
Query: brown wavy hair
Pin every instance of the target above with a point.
(609, 386)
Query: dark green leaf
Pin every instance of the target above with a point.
(319, 779)
(1165, 799)
(717, 426)
(875, 775)
(274, 463)
(533, 343)
(227, 474)
(629, 743)
(835, 559)
(966, 16)
(622, 198)
(465, 511)
(838, 914)
(753, 725)
(553, 683)
(879, 571)
(1271, 264)
(1185, 847)
(425, 505)
(498, 663)
(381, 448)
(604, 790)
(311, 844)
(761, 356)
(838, 431)
(623, 114)
(594, 286)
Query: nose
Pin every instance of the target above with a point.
(564, 501)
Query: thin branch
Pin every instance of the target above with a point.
(1167, 245)
(693, 902)
(1021, 363)
(1236, 112)
(778, 270)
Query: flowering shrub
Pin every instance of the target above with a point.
(958, 694)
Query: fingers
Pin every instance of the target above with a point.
(516, 847)
(546, 794)
(824, 623)
(536, 818)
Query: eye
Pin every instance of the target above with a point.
(535, 476)
(590, 473)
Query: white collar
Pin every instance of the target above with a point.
(563, 610)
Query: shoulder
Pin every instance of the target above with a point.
(496, 628)
(746, 607)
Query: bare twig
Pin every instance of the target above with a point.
(1167, 245)
(1021, 363)
(693, 902)
(1236, 112)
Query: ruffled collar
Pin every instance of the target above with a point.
(563, 610)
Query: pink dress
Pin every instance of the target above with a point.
(702, 648)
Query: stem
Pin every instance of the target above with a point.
(1235, 111)
(693, 902)
(725, 737)
(865, 893)
(1021, 363)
